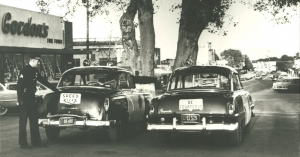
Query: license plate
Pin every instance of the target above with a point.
(67, 121)
(191, 104)
(70, 98)
(190, 118)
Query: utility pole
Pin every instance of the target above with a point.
(87, 26)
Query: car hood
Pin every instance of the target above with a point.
(213, 102)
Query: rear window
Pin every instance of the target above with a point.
(200, 80)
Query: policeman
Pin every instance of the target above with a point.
(26, 89)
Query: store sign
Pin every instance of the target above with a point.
(27, 29)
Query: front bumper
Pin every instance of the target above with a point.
(81, 121)
(280, 88)
(193, 127)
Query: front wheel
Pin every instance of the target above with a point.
(3, 110)
(52, 132)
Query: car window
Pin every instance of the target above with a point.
(123, 81)
(89, 78)
(1, 88)
(236, 82)
(201, 80)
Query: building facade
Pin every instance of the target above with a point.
(25, 32)
(106, 51)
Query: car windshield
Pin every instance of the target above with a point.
(89, 78)
(200, 80)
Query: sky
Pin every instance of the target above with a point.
(255, 36)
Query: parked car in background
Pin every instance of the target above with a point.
(243, 78)
(8, 100)
(290, 84)
(39, 86)
(193, 104)
(258, 77)
(94, 97)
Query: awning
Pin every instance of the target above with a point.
(42, 50)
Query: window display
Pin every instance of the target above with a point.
(12, 66)
(47, 66)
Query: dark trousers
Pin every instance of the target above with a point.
(29, 110)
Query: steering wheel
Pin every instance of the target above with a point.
(94, 83)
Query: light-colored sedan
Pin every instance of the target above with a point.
(8, 99)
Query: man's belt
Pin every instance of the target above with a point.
(29, 90)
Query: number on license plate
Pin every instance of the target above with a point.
(190, 118)
(66, 121)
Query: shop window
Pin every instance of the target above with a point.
(12, 66)
(76, 62)
(48, 66)
(57, 68)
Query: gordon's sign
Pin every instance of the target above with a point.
(20, 27)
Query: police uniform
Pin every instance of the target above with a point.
(26, 89)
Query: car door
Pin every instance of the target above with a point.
(136, 103)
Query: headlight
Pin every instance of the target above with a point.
(106, 104)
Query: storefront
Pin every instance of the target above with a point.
(26, 32)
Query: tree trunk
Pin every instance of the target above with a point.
(147, 43)
(131, 55)
(192, 22)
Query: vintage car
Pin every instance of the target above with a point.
(94, 97)
(8, 100)
(290, 84)
(192, 104)
(258, 77)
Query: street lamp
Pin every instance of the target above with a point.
(87, 26)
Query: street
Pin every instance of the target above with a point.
(274, 133)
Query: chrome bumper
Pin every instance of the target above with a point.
(78, 123)
(194, 127)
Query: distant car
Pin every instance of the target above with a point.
(202, 99)
(8, 99)
(258, 77)
(39, 86)
(287, 84)
(242, 78)
(94, 97)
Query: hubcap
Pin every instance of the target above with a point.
(3, 110)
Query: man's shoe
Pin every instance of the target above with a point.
(25, 146)
(39, 145)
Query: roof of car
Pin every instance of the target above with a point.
(104, 68)
(206, 67)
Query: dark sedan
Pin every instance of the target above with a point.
(202, 99)
(94, 97)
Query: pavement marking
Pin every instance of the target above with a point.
(266, 77)
(252, 84)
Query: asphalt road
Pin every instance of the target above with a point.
(274, 133)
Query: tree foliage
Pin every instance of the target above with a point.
(285, 63)
(96, 7)
(248, 63)
(233, 57)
